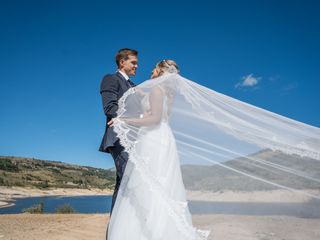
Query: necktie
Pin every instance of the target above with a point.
(130, 83)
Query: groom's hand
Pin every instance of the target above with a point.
(110, 123)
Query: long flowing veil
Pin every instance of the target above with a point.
(235, 159)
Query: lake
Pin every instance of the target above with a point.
(81, 204)
(102, 204)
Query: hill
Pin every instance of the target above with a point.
(17, 171)
(217, 178)
(30, 172)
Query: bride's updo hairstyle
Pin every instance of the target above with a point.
(168, 66)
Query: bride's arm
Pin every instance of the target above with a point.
(154, 115)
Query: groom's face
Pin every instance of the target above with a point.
(130, 65)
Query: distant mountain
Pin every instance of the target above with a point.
(217, 178)
(18, 171)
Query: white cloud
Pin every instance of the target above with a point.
(248, 81)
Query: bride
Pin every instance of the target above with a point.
(191, 137)
(151, 202)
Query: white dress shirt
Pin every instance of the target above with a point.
(124, 75)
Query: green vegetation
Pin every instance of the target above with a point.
(35, 209)
(7, 165)
(39, 209)
(29, 172)
(65, 208)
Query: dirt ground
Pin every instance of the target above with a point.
(93, 226)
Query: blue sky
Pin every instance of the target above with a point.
(55, 53)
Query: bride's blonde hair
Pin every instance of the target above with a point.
(168, 65)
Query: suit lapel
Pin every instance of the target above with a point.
(122, 81)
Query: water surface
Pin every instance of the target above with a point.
(102, 204)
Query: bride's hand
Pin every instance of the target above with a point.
(110, 123)
(126, 120)
(113, 120)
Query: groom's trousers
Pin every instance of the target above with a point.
(120, 158)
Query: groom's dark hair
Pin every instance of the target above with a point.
(124, 54)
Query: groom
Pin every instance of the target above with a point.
(112, 87)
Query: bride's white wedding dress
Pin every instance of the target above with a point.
(219, 142)
(151, 203)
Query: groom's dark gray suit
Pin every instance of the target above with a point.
(112, 87)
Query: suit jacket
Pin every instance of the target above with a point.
(112, 87)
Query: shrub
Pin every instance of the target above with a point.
(18, 184)
(35, 209)
(43, 184)
(7, 165)
(65, 208)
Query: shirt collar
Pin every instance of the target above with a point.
(123, 74)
